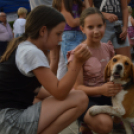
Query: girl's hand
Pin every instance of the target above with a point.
(111, 17)
(123, 35)
(82, 53)
(110, 89)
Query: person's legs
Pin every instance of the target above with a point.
(94, 122)
(56, 115)
(101, 123)
(62, 66)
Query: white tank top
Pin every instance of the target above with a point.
(129, 21)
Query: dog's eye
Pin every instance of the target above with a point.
(114, 60)
(126, 63)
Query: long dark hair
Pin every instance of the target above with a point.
(39, 17)
(68, 5)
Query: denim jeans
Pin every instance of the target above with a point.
(71, 39)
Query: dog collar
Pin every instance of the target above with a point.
(127, 85)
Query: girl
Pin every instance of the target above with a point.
(24, 67)
(72, 36)
(19, 24)
(115, 11)
(91, 77)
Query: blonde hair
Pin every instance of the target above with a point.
(129, 9)
(22, 10)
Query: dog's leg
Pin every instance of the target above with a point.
(127, 126)
(107, 110)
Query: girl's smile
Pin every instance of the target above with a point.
(94, 28)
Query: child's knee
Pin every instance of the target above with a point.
(82, 99)
(104, 125)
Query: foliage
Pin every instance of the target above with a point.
(11, 23)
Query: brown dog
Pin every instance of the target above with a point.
(120, 70)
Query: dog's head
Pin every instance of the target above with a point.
(119, 68)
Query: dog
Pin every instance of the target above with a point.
(120, 69)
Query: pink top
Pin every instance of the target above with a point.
(93, 68)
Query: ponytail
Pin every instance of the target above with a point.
(39, 17)
(13, 44)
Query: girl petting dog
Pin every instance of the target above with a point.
(91, 77)
(24, 67)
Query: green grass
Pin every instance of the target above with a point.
(11, 23)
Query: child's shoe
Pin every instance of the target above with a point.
(83, 129)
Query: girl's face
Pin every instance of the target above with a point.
(94, 28)
(52, 38)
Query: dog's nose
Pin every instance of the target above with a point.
(119, 67)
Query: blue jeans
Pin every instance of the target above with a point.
(71, 39)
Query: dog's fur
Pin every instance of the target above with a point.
(120, 69)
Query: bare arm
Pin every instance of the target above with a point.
(54, 59)
(72, 22)
(125, 18)
(128, 1)
(60, 89)
(124, 12)
(90, 3)
(107, 89)
(86, 3)
(42, 94)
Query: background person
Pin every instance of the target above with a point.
(19, 24)
(115, 11)
(5, 33)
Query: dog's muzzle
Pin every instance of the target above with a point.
(117, 72)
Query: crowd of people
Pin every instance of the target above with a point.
(52, 64)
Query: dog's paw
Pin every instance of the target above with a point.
(94, 110)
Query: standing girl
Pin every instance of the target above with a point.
(24, 68)
(91, 77)
(72, 35)
(115, 11)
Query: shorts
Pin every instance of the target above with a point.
(102, 100)
(70, 40)
(110, 35)
(131, 41)
(23, 121)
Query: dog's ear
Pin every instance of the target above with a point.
(107, 71)
(132, 71)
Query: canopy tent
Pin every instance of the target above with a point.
(9, 6)
(131, 3)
